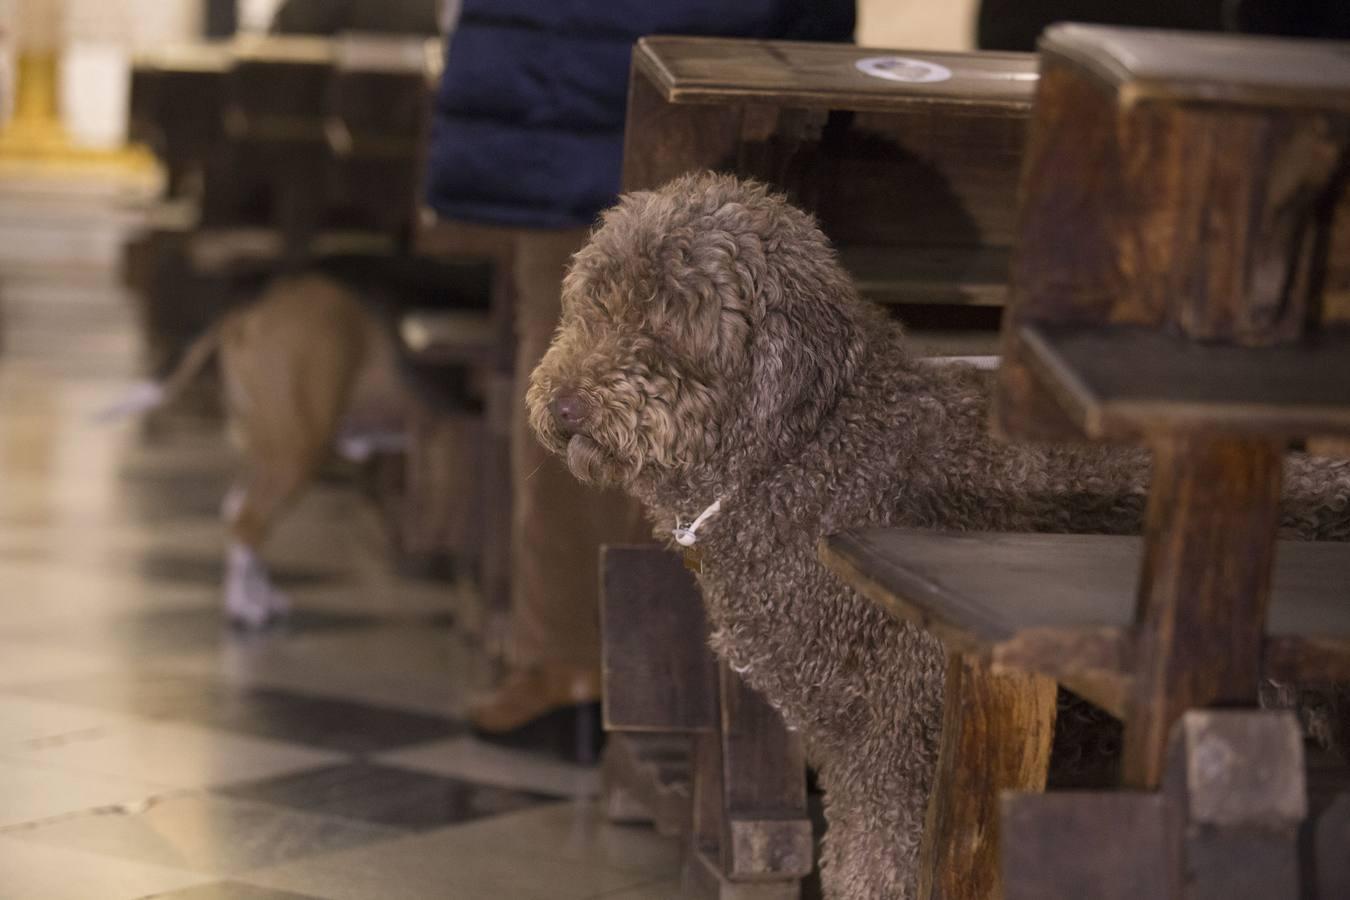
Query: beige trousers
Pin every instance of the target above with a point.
(558, 523)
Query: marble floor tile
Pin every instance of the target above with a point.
(232, 890)
(333, 723)
(661, 890)
(31, 792)
(23, 662)
(419, 666)
(451, 863)
(473, 760)
(324, 722)
(24, 721)
(386, 796)
(146, 750)
(34, 872)
(576, 832)
(145, 692)
(146, 633)
(203, 832)
(181, 756)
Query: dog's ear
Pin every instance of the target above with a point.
(704, 295)
(754, 290)
(805, 343)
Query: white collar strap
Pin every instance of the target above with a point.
(687, 535)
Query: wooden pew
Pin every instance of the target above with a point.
(378, 113)
(915, 181)
(1183, 228)
(293, 151)
(484, 341)
(176, 109)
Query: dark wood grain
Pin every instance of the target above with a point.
(1115, 382)
(662, 141)
(996, 736)
(658, 671)
(724, 71)
(1331, 846)
(766, 832)
(975, 276)
(648, 778)
(1072, 846)
(919, 195)
(1203, 593)
(723, 823)
(1063, 605)
(176, 108)
(1235, 793)
(378, 114)
(1144, 64)
(1208, 220)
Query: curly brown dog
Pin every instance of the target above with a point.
(715, 361)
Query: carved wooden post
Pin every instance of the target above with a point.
(1178, 184)
(1236, 798)
(996, 736)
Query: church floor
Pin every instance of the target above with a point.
(147, 750)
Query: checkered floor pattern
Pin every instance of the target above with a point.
(146, 750)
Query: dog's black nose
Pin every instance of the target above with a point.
(570, 410)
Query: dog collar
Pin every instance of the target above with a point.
(687, 535)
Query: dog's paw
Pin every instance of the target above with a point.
(251, 601)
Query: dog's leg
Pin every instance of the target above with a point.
(871, 849)
(289, 364)
(251, 600)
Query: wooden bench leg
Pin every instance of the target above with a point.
(1224, 827)
(997, 732)
(751, 834)
(496, 558)
(1209, 553)
(647, 778)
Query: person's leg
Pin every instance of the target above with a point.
(557, 529)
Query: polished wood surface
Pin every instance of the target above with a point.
(1143, 64)
(787, 73)
(914, 182)
(1217, 225)
(959, 856)
(1118, 381)
(659, 674)
(1064, 605)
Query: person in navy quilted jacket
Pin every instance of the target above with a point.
(528, 134)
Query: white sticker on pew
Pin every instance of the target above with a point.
(902, 68)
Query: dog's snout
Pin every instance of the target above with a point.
(570, 410)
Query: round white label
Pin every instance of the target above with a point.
(902, 68)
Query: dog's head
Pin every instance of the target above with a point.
(705, 324)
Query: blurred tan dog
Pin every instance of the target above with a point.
(306, 367)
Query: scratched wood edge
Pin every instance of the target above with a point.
(1307, 660)
(650, 64)
(997, 734)
(1063, 384)
(1090, 661)
(1133, 90)
(1117, 420)
(834, 553)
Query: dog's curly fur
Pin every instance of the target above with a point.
(719, 352)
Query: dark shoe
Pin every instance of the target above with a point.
(573, 734)
(553, 709)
